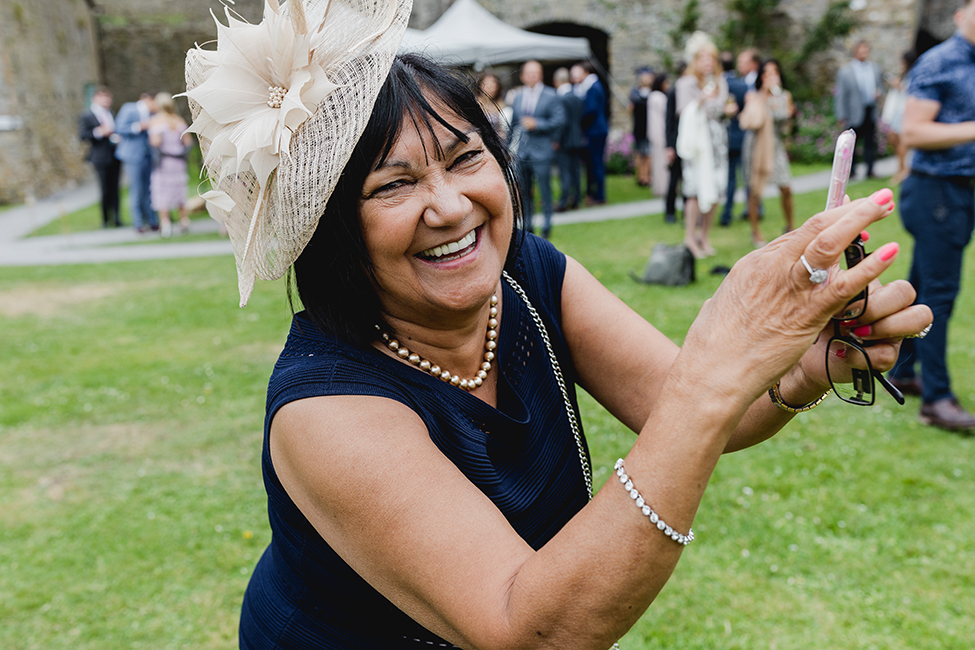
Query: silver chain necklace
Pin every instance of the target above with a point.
(570, 412)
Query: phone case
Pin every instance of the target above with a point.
(842, 165)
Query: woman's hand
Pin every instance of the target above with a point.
(768, 313)
(890, 317)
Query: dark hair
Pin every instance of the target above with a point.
(659, 81)
(727, 61)
(761, 71)
(334, 274)
(484, 76)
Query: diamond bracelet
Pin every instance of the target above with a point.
(641, 503)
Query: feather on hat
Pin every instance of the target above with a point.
(278, 108)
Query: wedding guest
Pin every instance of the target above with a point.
(938, 210)
(491, 98)
(768, 116)
(858, 88)
(639, 97)
(595, 124)
(132, 124)
(537, 123)
(427, 475)
(657, 133)
(96, 126)
(702, 141)
(167, 135)
(571, 152)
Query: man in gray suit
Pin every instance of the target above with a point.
(858, 86)
(132, 123)
(537, 123)
(572, 143)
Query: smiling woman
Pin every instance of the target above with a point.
(428, 478)
(422, 177)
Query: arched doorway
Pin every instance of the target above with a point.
(598, 43)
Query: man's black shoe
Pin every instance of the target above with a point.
(948, 414)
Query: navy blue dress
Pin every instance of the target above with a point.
(522, 455)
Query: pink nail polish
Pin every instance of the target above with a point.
(864, 235)
(863, 330)
(841, 353)
(882, 197)
(887, 251)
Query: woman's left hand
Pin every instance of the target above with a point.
(889, 318)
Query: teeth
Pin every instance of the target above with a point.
(452, 247)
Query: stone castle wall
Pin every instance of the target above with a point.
(144, 42)
(144, 47)
(47, 56)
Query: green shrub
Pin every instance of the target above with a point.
(816, 131)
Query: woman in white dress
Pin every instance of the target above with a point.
(702, 141)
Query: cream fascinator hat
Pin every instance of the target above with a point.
(697, 42)
(278, 108)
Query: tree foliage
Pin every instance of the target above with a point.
(750, 25)
(763, 25)
(686, 26)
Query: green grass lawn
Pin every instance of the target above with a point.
(132, 508)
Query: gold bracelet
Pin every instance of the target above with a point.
(776, 398)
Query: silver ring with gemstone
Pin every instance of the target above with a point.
(921, 334)
(816, 276)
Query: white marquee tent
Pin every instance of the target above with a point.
(468, 34)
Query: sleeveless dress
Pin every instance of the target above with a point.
(522, 455)
(167, 185)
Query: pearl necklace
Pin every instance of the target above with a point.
(425, 365)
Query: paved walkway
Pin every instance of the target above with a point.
(116, 244)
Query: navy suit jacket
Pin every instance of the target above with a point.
(736, 87)
(134, 146)
(102, 150)
(594, 120)
(549, 114)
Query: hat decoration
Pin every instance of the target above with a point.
(695, 43)
(278, 108)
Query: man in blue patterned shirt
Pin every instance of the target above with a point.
(938, 209)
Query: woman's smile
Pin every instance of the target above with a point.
(437, 219)
(453, 250)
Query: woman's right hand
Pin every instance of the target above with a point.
(768, 312)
